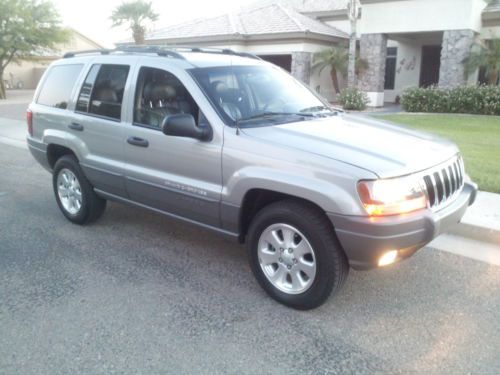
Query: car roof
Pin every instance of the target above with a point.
(183, 57)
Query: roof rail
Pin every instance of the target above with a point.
(102, 51)
(222, 51)
(159, 50)
(165, 51)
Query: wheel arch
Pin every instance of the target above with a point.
(256, 199)
(55, 151)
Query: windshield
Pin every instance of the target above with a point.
(253, 95)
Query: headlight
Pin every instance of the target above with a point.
(392, 196)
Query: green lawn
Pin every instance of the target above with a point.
(478, 138)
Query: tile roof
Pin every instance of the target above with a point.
(264, 17)
(307, 6)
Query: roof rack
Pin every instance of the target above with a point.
(159, 50)
(102, 51)
(222, 51)
(165, 51)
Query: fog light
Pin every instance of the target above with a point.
(388, 258)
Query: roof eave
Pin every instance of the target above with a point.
(239, 38)
(327, 14)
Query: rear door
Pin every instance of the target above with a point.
(52, 107)
(97, 123)
(180, 176)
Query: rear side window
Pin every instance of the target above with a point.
(102, 91)
(56, 89)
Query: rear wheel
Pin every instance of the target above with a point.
(74, 193)
(294, 254)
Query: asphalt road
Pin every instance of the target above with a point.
(138, 293)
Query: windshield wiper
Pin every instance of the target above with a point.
(318, 108)
(272, 114)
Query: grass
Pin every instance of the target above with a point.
(478, 138)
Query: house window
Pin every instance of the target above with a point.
(390, 68)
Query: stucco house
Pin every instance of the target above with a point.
(406, 42)
(29, 71)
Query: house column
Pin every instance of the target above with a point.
(301, 66)
(455, 48)
(374, 51)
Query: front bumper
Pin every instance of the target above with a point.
(366, 239)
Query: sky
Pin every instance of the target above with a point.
(91, 17)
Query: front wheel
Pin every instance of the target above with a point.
(294, 254)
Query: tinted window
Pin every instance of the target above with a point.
(160, 94)
(56, 90)
(82, 105)
(102, 91)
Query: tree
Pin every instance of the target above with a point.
(485, 54)
(26, 27)
(134, 14)
(353, 9)
(337, 59)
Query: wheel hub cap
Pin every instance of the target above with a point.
(287, 258)
(69, 191)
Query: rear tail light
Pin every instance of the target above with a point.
(29, 120)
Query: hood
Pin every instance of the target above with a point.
(380, 147)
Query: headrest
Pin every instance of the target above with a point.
(159, 91)
(106, 94)
(219, 87)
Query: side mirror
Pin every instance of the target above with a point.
(184, 125)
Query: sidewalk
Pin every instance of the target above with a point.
(13, 132)
(17, 97)
(479, 231)
(482, 220)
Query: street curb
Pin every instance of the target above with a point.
(476, 232)
(481, 221)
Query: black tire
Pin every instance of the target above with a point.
(92, 206)
(332, 266)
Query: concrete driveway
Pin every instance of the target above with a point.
(142, 294)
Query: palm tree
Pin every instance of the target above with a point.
(337, 59)
(134, 14)
(485, 54)
(353, 9)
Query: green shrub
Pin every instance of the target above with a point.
(352, 98)
(483, 100)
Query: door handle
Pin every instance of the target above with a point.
(136, 141)
(76, 126)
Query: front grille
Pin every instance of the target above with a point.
(444, 182)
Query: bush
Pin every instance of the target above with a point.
(483, 100)
(353, 99)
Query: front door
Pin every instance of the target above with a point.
(431, 62)
(179, 176)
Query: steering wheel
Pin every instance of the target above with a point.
(275, 102)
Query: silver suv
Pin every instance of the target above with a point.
(234, 144)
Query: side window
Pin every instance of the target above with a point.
(229, 93)
(160, 94)
(102, 91)
(56, 89)
(83, 103)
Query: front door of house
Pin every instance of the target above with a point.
(431, 62)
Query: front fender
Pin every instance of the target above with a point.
(329, 196)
